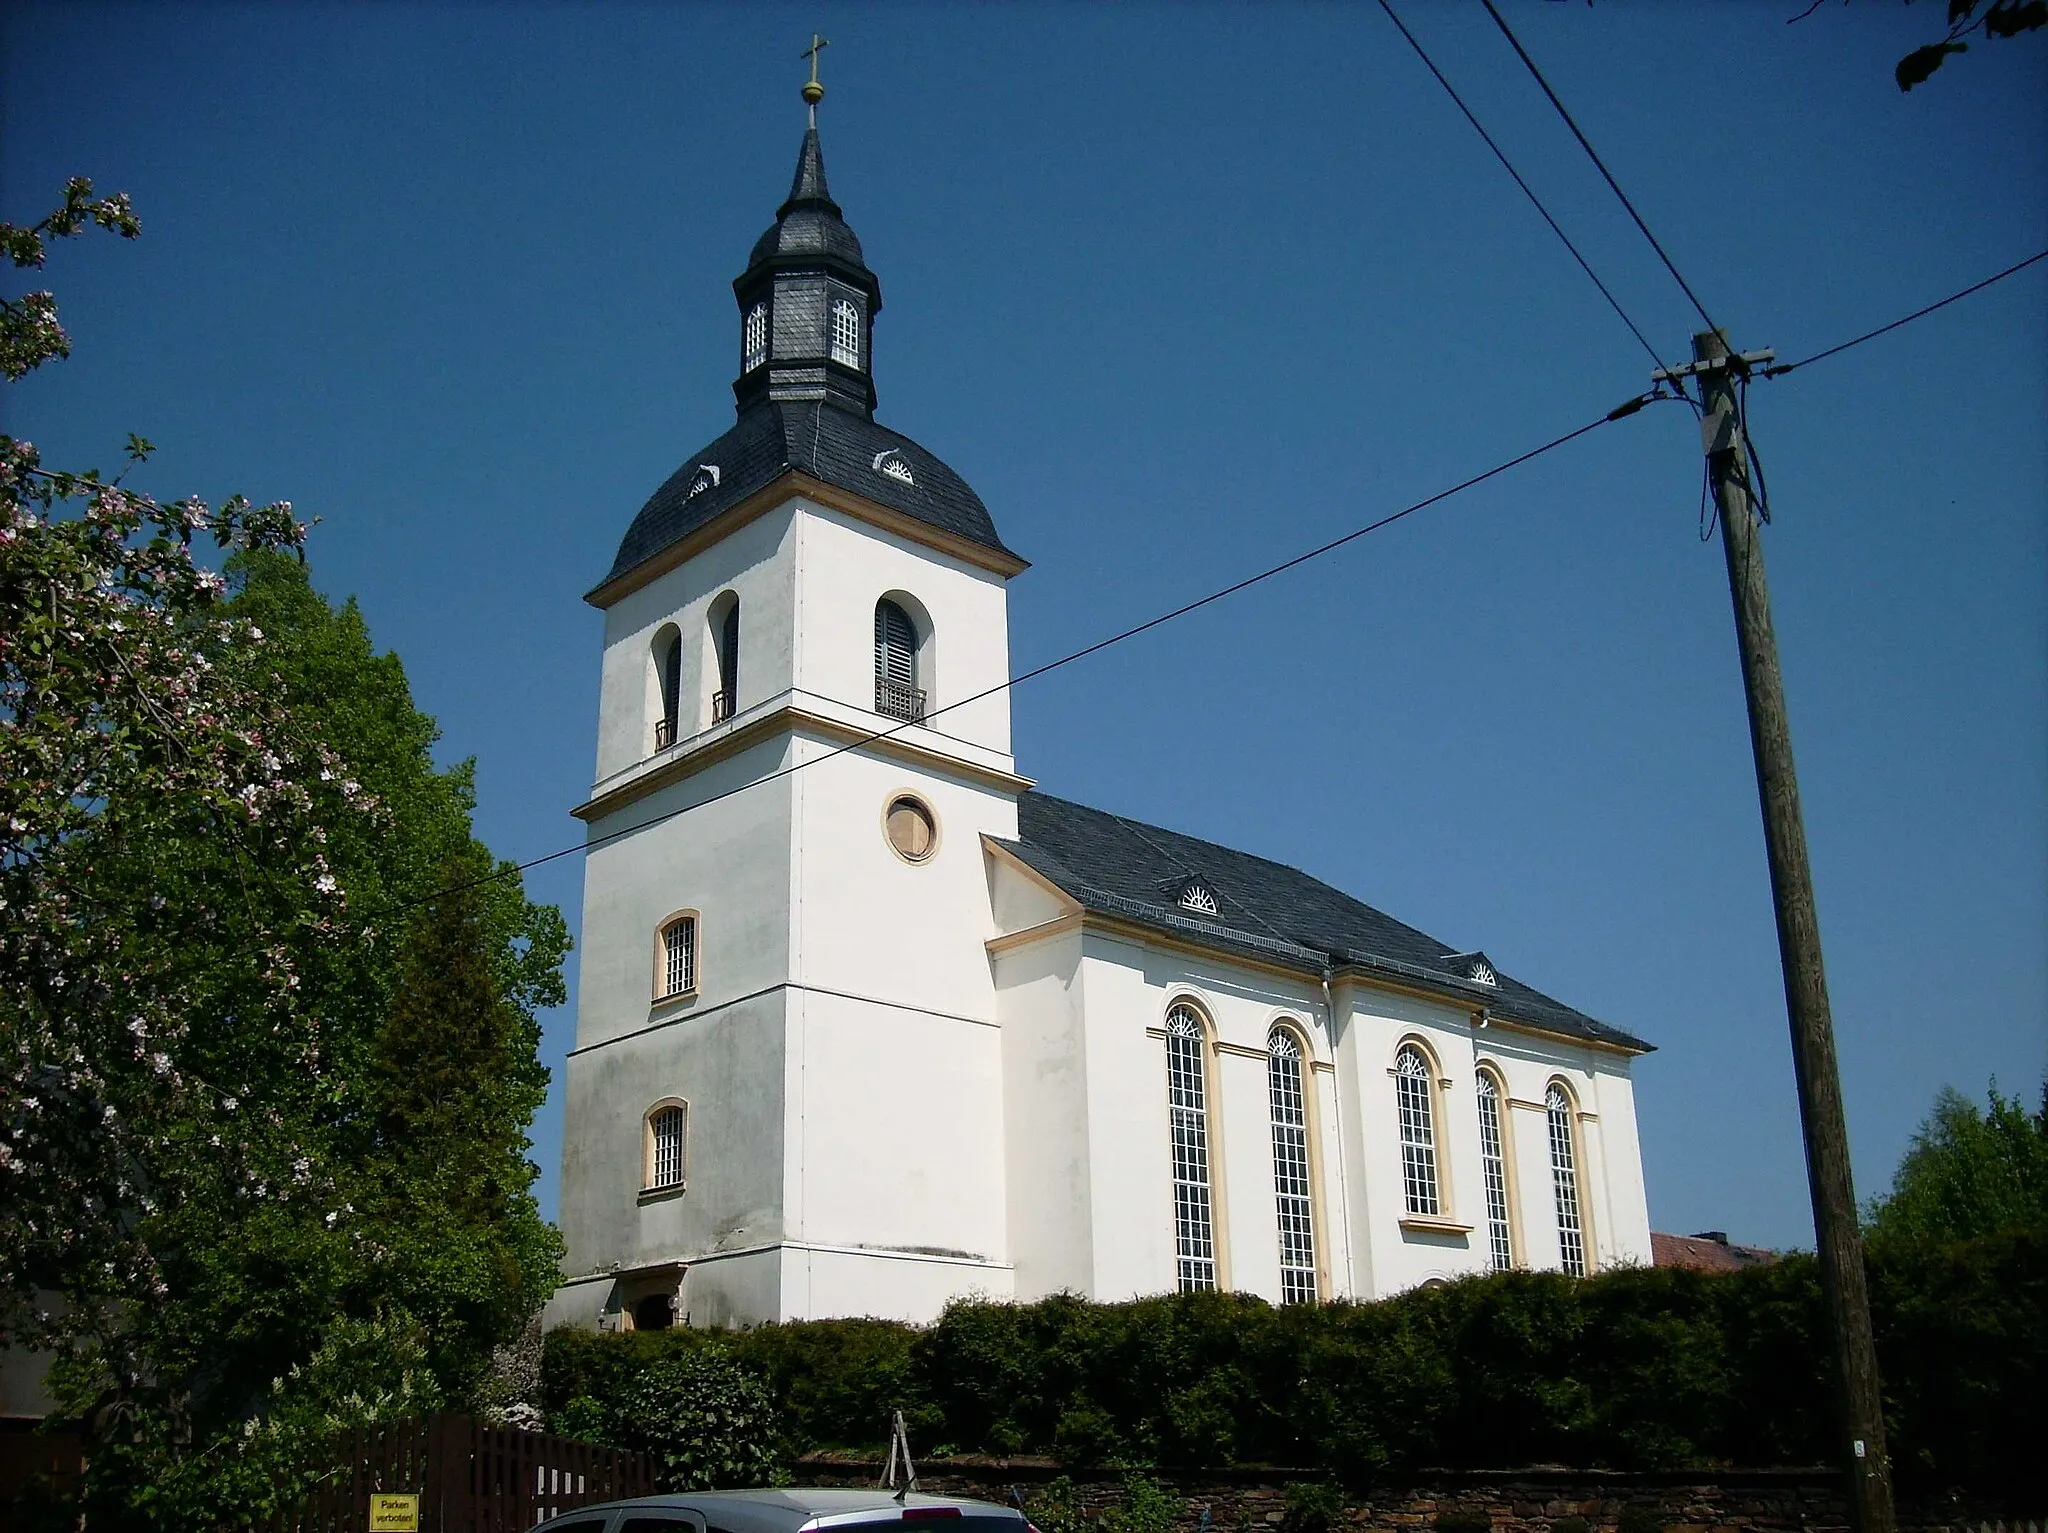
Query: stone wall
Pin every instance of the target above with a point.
(1472, 1501)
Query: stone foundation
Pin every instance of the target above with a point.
(1538, 1500)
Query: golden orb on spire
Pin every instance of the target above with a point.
(813, 92)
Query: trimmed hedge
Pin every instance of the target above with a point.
(1639, 1368)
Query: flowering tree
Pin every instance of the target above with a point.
(208, 891)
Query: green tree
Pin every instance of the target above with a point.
(1968, 1173)
(225, 1214)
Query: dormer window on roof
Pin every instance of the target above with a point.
(706, 479)
(845, 332)
(1473, 966)
(895, 465)
(1198, 897)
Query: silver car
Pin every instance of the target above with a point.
(799, 1509)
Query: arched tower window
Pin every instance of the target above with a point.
(1493, 1165)
(754, 338)
(1295, 1205)
(1564, 1180)
(725, 701)
(896, 690)
(668, 670)
(1416, 1109)
(1194, 1230)
(845, 332)
(676, 958)
(665, 1140)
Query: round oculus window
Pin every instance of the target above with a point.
(910, 829)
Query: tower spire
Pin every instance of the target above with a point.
(813, 92)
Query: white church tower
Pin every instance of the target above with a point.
(805, 1116)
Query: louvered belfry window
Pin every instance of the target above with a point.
(896, 690)
(679, 956)
(1295, 1208)
(1194, 1231)
(1416, 1111)
(754, 338)
(728, 664)
(665, 1129)
(671, 663)
(1564, 1181)
(845, 333)
(1493, 1165)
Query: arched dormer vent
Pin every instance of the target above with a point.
(706, 478)
(1194, 894)
(895, 465)
(1476, 967)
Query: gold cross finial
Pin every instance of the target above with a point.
(813, 91)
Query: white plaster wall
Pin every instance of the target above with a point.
(845, 566)
(1045, 1113)
(868, 922)
(818, 1281)
(1128, 987)
(1625, 1227)
(729, 860)
(895, 1129)
(758, 563)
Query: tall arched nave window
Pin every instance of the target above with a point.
(1194, 1229)
(1415, 1107)
(1295, 1205)
(1564, 1179)
(1493, 1167)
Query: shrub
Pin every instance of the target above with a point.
(1631, 1369)
(706, 1421)
(1313, 1506)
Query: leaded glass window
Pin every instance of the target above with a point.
(1415, 1108)
(1564, 1180)
(679, 956)
(1194, 1232)
(754, 338)
(1294, 1204)
(1493, 1165)
(665, 1129)
(845, 333)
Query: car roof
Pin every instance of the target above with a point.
(786, 1509)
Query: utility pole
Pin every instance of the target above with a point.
(1722, 434)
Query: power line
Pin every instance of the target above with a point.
(1599, 164)
(1870, 335)
(1619, 412)
(1507, 165)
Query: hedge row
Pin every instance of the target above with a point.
(1632, 1369)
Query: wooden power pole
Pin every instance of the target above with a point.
(1862, 1446)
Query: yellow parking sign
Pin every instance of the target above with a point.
(394, 1513)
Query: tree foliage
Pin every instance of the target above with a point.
(1968, 1173)
(1997, 18)
(264, 1111)
(706, 1420)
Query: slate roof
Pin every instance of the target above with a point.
(1266, 909)
(809, 222)
(824, 441)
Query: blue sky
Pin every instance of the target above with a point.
(1182, 290)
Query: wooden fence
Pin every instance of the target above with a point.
(470, 1478)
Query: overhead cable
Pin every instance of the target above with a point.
(1477, 127)
(1599, 164)
(1619, 412)
(1783, 368)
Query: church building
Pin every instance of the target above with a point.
(868, 1023)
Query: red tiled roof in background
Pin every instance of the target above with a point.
(1708, 1252)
